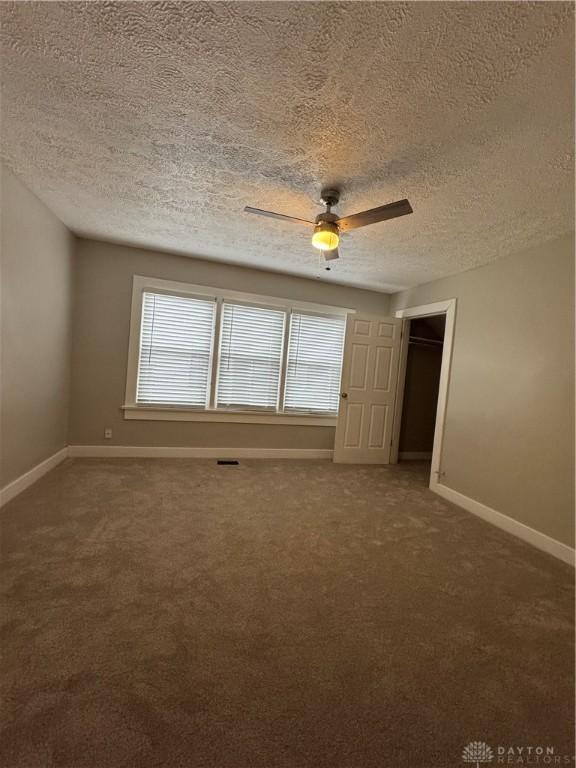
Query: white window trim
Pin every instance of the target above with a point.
(134, 411)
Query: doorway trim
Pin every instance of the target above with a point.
(448, 308)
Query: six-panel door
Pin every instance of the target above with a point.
(369, 373)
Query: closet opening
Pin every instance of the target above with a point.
(421, 387)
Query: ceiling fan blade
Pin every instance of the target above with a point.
(374, 215)
(273, 215)
(331, 255)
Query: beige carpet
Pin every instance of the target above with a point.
(171, 613)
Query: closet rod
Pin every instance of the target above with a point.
(427, 341)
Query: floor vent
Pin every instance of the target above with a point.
(227, 461)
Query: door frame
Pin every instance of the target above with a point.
(448, 308)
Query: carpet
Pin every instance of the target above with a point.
(169, 613)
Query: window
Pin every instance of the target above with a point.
(314, 363)
(175, 350)
(193, 349)
(250, 357)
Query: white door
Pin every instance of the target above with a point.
(368, 390)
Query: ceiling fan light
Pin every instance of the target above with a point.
(325, 236)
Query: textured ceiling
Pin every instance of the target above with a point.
(155, 123)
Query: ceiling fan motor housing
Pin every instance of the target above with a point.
(326, 218)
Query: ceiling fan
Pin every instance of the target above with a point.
(328, 227)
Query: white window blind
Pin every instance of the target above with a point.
(175, 350)
(250, 356)
(314, 363)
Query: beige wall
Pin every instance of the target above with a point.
(509, 439)
(102, 296)
(36, 264)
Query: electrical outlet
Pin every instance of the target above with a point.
(107, 433)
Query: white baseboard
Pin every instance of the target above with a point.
(524, 532)
(415, 455)
(137, 451)
(29, 478)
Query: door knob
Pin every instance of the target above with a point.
(344, 395)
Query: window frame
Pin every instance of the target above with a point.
(155, 412)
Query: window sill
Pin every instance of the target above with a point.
(159, 413)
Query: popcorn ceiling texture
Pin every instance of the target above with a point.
(155, 123)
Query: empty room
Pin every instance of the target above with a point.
(287, 384)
